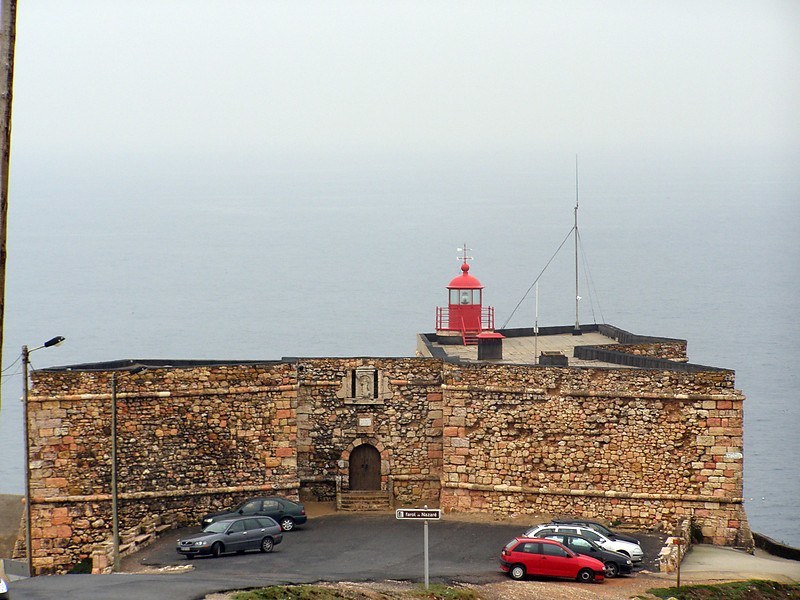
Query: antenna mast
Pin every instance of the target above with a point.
(536, 329)
(577, 330)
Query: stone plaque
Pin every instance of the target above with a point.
(365, 383)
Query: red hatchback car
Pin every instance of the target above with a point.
(535, 556)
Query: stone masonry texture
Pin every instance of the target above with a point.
(645, 447)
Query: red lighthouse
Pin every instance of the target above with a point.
(465, 314)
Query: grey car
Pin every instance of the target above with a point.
(232, 535)
(286, 512)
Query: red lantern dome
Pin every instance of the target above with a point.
(465, 280)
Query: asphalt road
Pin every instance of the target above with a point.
(338, 547)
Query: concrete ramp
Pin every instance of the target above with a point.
(708, 563)
(11, 507)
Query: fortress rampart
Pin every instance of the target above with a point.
(648, 447)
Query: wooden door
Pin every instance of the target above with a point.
(365, 468)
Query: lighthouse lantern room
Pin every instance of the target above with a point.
(465, 317)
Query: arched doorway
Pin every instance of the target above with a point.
(365, 468)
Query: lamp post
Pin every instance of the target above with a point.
(114, 493)
(25, 355)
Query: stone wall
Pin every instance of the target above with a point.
(675, 548)
(188, 441)
(644, 447)
(672, 350)
(645, 345)
(647, 447)
(402, 418)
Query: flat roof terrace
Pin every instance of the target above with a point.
(524, 349)
(595, 347)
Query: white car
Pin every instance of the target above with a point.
(632, 551)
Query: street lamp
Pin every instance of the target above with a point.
(114, 494)
(25, 354)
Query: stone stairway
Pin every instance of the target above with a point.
(363, 500)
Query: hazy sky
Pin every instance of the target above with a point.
(256, 81)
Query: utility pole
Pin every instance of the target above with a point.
(8, 34)
(577, 329)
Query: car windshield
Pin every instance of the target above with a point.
(590, 534)
(581, 544)
(218, 527)
(600, 528)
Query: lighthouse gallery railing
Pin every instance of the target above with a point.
(443, 319)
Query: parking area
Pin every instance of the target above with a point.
(368, 546)
(335, 547)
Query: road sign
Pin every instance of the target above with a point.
(420, 514)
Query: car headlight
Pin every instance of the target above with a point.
(628, 562)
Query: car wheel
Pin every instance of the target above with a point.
(585, 576)
(517, 572)
(287, 523)
(611, 569)
(624, 553)
(267, 544)
(216, 549)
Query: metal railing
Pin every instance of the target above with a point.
(443, 319)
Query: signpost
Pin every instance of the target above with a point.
(679, 542)
(421, 514)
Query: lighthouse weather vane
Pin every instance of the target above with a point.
(463, 256)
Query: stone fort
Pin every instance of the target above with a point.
(606, 424)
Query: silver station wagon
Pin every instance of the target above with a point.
(232, 535)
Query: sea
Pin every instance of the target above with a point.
(343, 259)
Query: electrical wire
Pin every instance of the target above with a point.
(538, 277)
(14, 374)
(12, 364)
(587, 274)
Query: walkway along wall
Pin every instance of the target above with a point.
(648, 447)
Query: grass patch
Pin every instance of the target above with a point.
(738, 590)
(292, 592)
(316, 592)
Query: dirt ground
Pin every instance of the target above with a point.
(622, 588)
